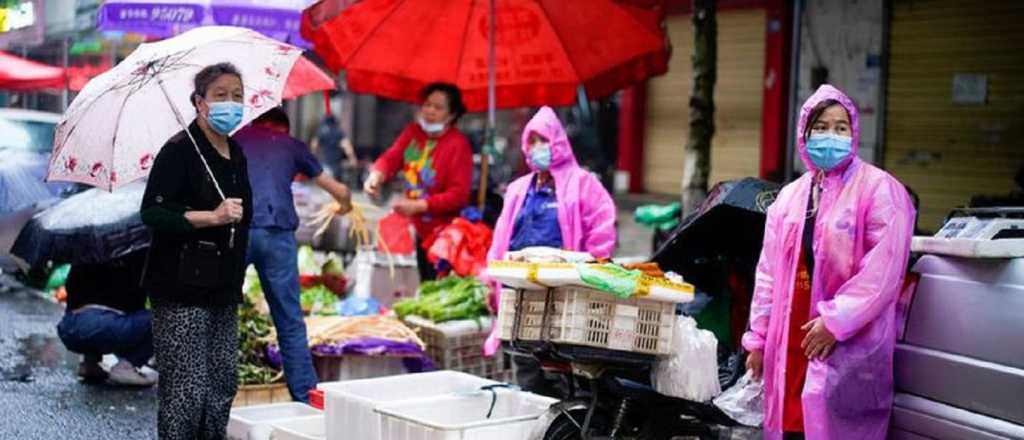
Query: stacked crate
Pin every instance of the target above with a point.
(458, 346)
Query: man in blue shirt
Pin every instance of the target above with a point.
(274, 159)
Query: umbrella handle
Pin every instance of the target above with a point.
(485, 160)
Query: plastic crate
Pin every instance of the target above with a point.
(305, 428)
(355, 367)
(464, 417)
(588, 317)
(458, 346)
(530, 311)
(256, 421)
(349, 406)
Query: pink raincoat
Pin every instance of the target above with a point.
(861, 245)
(586, 212)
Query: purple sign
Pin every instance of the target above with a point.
(159, 19)
(167, 19)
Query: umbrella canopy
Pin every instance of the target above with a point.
(729, 224)
(20, 74)
(545, 49)
(112, 131)
(278, 19)
(90, 227)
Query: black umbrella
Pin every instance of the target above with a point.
(92, 227)
(716, 249)
(729, 224)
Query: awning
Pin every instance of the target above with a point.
(17, 73)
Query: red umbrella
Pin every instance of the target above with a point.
(544, 49)
(20, 74)
(305, 78)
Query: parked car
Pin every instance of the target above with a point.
(25, 146)
(959, 366)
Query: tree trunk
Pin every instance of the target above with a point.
(697, 165)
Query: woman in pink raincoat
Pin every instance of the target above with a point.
(557, 205)
(822, 322)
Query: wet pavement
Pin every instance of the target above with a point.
(40, 396)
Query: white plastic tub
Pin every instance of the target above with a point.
(305, 428)
(464, 417)
(349, 406)
(259, 419)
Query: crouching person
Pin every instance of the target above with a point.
(106, 314)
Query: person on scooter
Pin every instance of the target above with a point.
(559, 205)
(822, 322)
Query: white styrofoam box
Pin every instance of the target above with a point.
(259, 419)
(349, 406)
(464, 417)
(305, 428)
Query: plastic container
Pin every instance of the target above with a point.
(584, 316)
(305, 428)
(464, 417)
(531, 314)
(458, 346)
(522, 275)
(316, 399)
(257, 420)
(349, 411)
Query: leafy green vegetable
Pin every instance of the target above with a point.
(318, 299)
(447, 299)
(333, 266)
(253, 327)
(307, 261)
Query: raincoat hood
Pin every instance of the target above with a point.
(546, 124)
(825, 93)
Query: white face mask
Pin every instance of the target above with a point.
(434, 128)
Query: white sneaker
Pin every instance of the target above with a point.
(124, 373)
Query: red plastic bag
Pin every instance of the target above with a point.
(394, 235)
(464, 245)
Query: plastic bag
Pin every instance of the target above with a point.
(662, 217)
(463, 245)
(610, 278)
(58, 277)
(394, 235)
(691, 371)
(744, 402)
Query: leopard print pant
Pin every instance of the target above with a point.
(197, 356)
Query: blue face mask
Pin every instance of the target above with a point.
(540, 155)
(225, 116)
(828, 150)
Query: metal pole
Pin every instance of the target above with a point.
(794, 84)
(485, 158)
(491, 65)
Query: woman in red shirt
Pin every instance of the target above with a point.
(435, 163)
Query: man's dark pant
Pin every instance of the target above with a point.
(275, 255)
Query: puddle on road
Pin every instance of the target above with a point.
(34, 353)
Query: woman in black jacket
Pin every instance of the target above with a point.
(198, 203)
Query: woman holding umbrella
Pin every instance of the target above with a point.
(436, 164)
(823, 318)
(198, 203)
